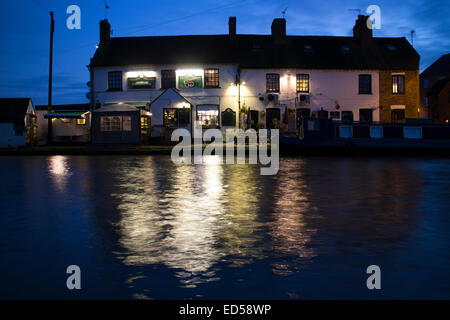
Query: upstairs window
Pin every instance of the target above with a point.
(211, 78)
(272, 82)
(365, 84)
(391, 47)
(303, 83)
(115, 80)
(398, 84)
(308, 48)
(345, 49)
(168, 79)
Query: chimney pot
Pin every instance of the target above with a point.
(279, 30)
(105, 31)
(360, 31)
(232, 28)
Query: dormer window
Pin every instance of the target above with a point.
(345, 49)
(308, 48)
(391, 47)
(256, 47)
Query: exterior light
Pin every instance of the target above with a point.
(243, 83)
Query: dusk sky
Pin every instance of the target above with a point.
(25, 32)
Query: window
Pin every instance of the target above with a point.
(345, 131)
(272, 82)
(126, 126)
(345, 49)
(365, 84)
(391, 47)
(170, 117)
(228, 118)
(398, 84)
(322, 114)
(144, 122)
(347, 115)
(412, 132)
(208, 116)
(308, 48)
(303, 83)
(211, 78)
(426, 84)
(365, 115)
(425, 101)
(398, 115)
(335, 115)
(81, 121)
(168, 79)
(273, 116)
(115, 80)
(111, 123)
(376, 132)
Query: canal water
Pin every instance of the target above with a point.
(140, 227)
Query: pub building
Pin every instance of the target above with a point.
(259, 81)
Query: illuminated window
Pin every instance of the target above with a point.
(168, 79)
(144, 122)
(115, 80)
(208, 116)
(170, 117)
(303, 83)
(398, 84)
(365, 84)
(211, 78)
(272, 82)
(81, 121)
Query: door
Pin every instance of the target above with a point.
(273, 118)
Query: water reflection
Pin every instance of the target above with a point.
(59, 170)
(191, 221)
(291, 230)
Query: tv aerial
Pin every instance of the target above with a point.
(284, 12)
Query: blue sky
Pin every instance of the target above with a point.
(24, 30)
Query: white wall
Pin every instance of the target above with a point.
(227, 75)
(8, 137)
(326, 87)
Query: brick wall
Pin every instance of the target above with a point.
(410, 99)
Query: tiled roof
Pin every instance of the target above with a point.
(13, 109)
(260, 51)
(440, 66)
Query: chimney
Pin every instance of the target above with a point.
(279, 30)
(361, 32)
(105, 31)
(232, 28)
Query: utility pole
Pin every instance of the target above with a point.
(49, 107)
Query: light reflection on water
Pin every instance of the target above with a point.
(142, 227)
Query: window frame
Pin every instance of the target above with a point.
(215, 77)
(165, 124)
(272, 82)
(397, 82)
(298, 80)
(216, 107)
(362, 78)
(115, 80)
